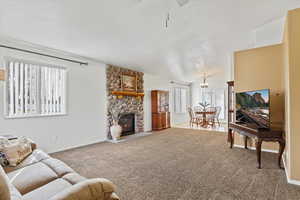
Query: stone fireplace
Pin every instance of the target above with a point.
(127, 104)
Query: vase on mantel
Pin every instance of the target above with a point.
(115, 131)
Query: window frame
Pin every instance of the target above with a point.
(38, 114)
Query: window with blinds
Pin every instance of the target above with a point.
(35, 89)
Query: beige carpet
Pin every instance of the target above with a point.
(182, 164)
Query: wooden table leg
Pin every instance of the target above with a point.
(281, 150)
(245, 140)
(230, 137)
(204, 124)
(258, 152)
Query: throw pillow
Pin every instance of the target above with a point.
(3, 160)
(16, 150)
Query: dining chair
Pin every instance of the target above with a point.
(199, 117)
(218, 110)
(211, 117)
(193, 118)
(198, 109)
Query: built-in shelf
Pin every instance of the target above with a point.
(121, 94)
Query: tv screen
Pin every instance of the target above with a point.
(253, 108)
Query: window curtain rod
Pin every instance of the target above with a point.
(42, 54)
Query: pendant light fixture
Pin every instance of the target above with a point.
(204, 84)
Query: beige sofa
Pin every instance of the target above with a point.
(40, 177)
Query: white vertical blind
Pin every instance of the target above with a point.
(180, 100)
(34, 90)
(11, 93)
(26, 89)
(183, 98)
(177, 102)
(16, 86)
(52, 90)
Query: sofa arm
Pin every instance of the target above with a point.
(92, 189)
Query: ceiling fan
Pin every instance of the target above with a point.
(182, 2)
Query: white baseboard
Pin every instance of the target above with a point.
(253, 148)
(76, 146)
(290, 181)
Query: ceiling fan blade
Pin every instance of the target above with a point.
(182, 2)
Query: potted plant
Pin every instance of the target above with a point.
(115, 128)
(204, 105)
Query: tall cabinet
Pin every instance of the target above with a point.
(160, 110)
(230, 101)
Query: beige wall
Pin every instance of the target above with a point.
(278, 68)
(262, 68)
(292, 84)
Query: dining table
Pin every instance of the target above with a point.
(204, 113)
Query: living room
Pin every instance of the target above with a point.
(96, 100)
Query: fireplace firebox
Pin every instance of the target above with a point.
(127, 122)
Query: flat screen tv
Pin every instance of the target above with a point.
(253, 108)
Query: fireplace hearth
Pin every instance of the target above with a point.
(127, 122)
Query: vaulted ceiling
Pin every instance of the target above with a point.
(155, 36)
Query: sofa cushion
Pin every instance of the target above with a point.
(4, 186)
(73, 178)
(59, 167)
(47, 191)
(91, 189)
(35, 157)
(31, 177)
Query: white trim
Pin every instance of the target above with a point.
(253, 148)
(77, 146)
(9, 41)
(129, 137)
(290, 181)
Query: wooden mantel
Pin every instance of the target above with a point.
(121, 94)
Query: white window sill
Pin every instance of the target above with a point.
(35, 116)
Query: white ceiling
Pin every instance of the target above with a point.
(132, 33)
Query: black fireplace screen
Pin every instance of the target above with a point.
(127, 122)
